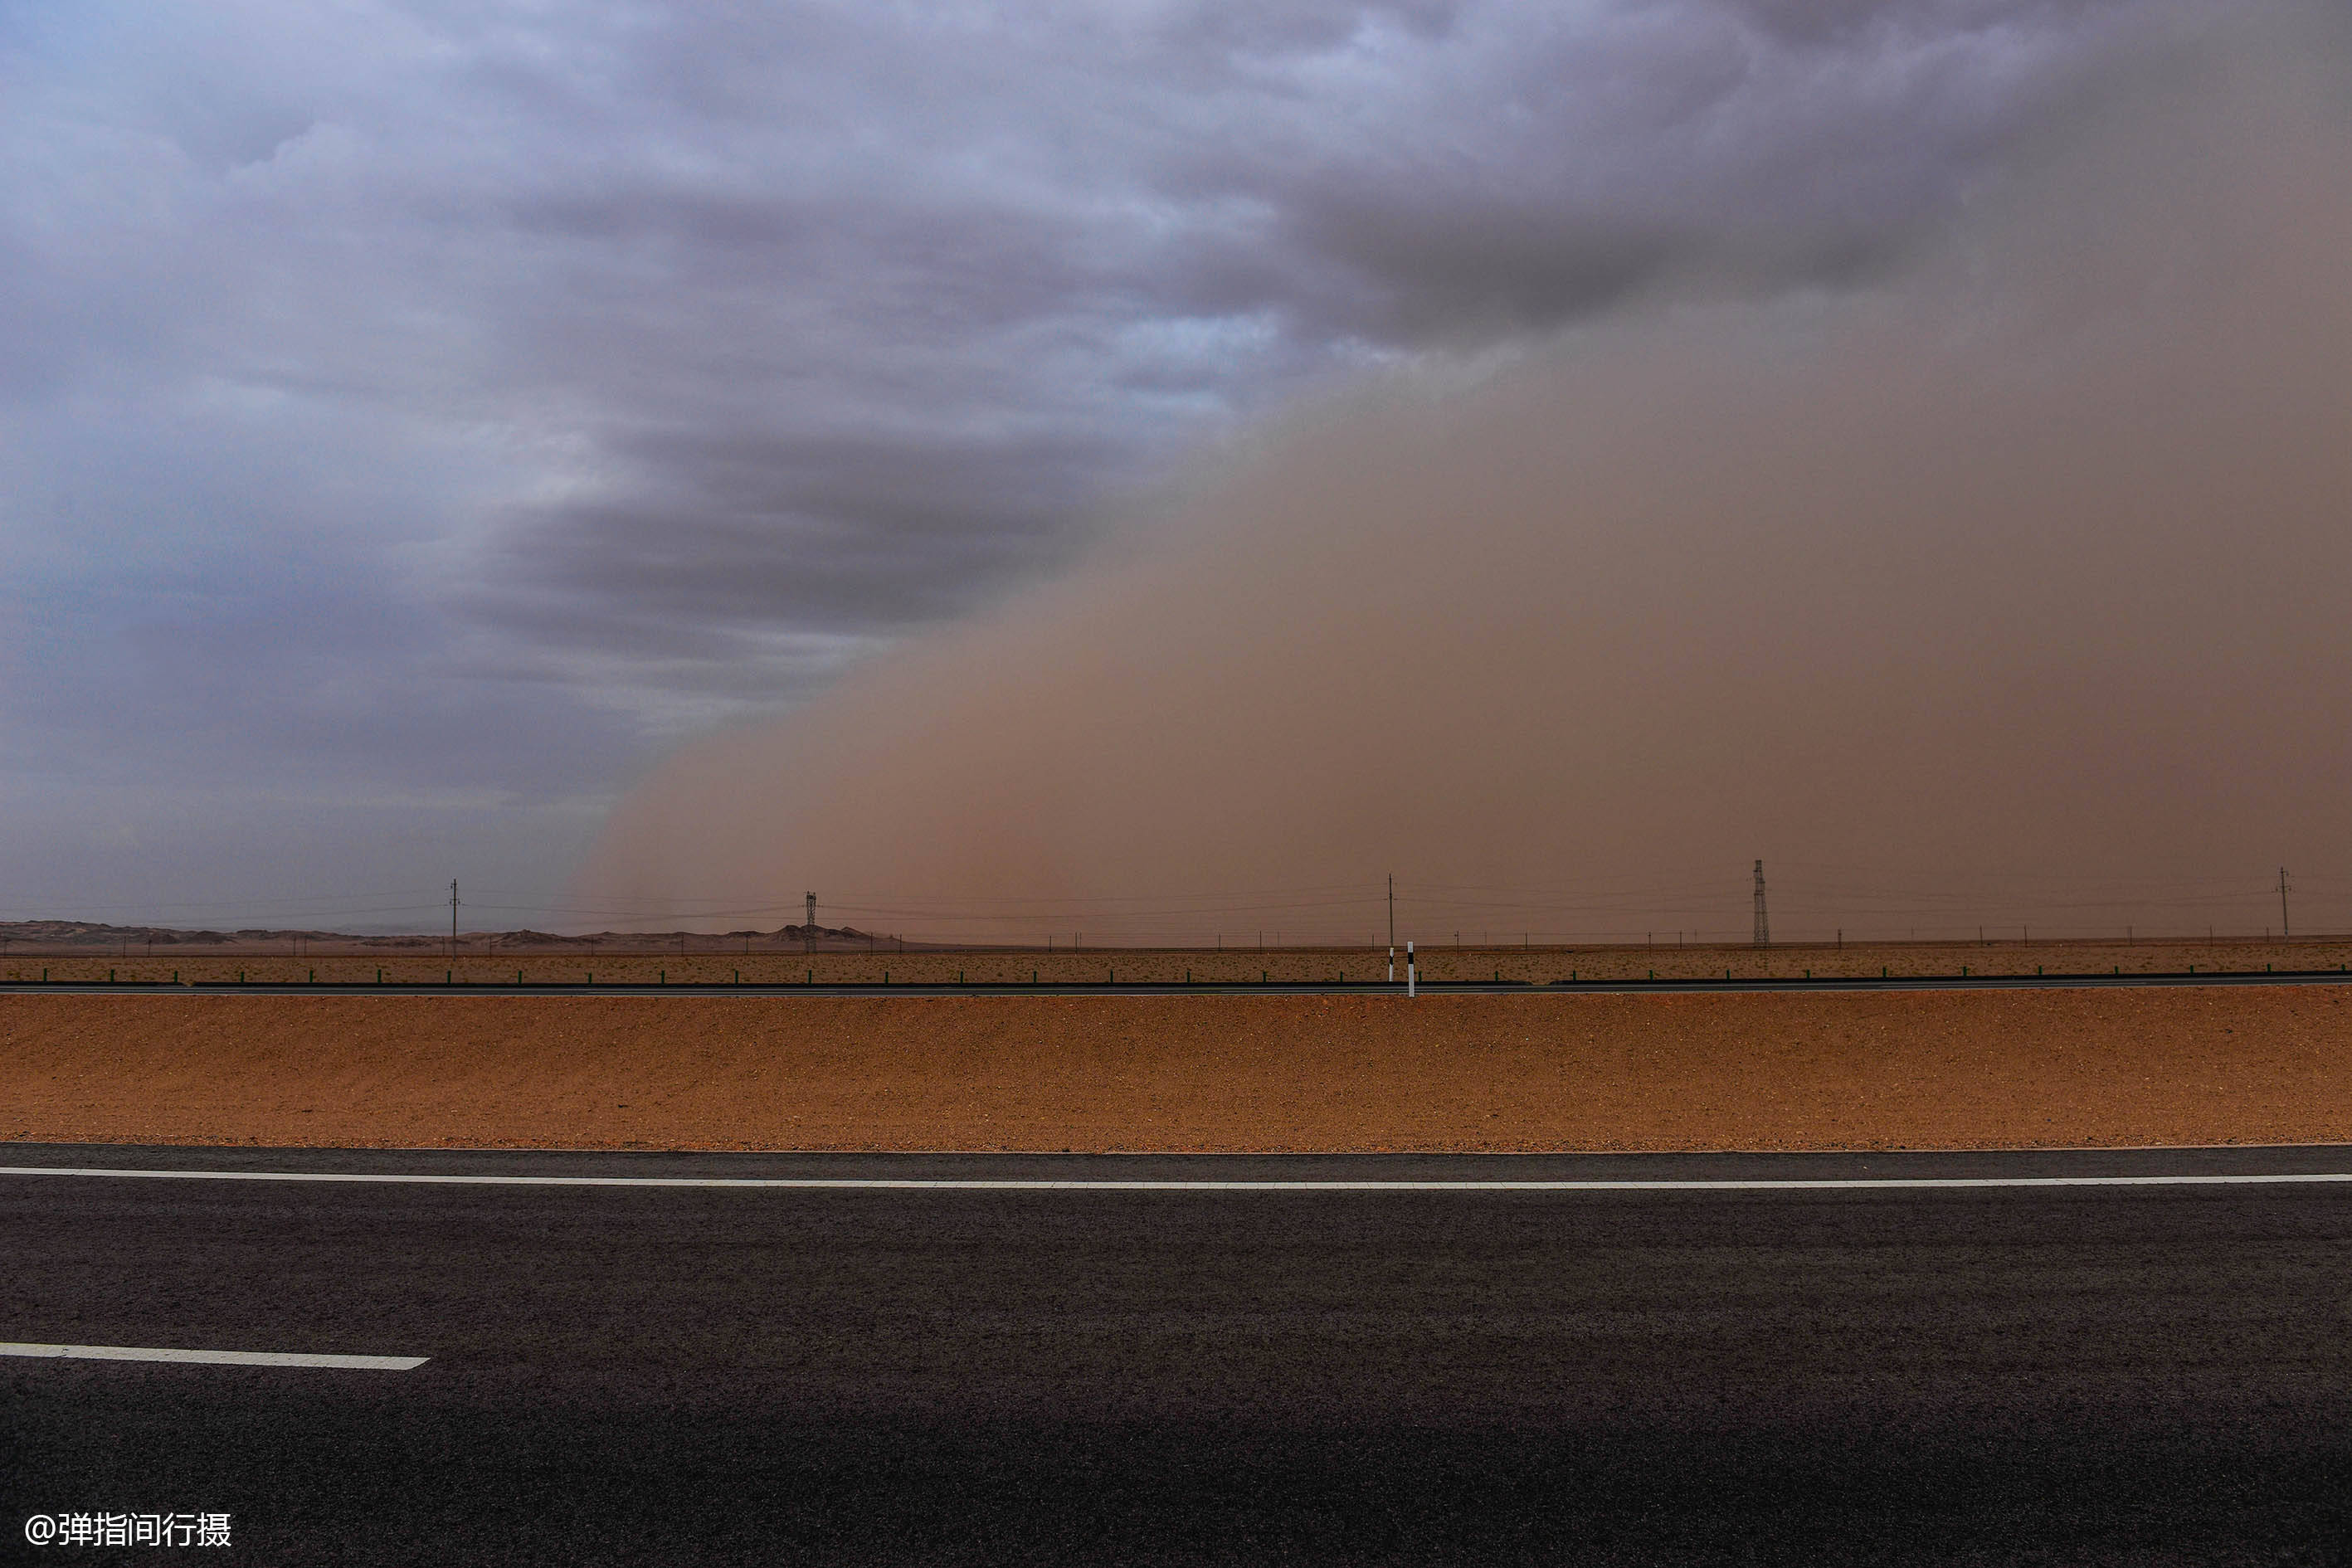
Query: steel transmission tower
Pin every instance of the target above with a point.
(1763, 921)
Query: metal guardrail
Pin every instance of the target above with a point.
(2115, 979)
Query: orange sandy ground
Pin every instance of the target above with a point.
(1480, 1072)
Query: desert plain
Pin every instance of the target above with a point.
(1539, 1070)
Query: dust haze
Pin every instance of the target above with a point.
(2021, 575)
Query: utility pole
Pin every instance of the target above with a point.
(808, 927)
(1763, 922)
(1393, 925)
(453, 919)
(2284, 933)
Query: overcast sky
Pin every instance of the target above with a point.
(415, 418)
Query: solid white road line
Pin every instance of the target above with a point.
(222, 1358)
(1202, 1184)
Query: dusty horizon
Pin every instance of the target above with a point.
(2018, 575)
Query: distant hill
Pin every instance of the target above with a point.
(92, 934)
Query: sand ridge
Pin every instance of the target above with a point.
(2061, 1068)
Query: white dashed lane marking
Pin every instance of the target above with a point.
(221, 1358)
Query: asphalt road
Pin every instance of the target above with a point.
(1157, 988)
(943, 1375)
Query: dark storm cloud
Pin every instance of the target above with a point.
(755, 533)
(936, 286)
(1563, 165)
(656, 362)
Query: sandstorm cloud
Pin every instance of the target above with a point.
(2002, 581)
(417, 417)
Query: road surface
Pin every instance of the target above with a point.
(1223, 1367)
